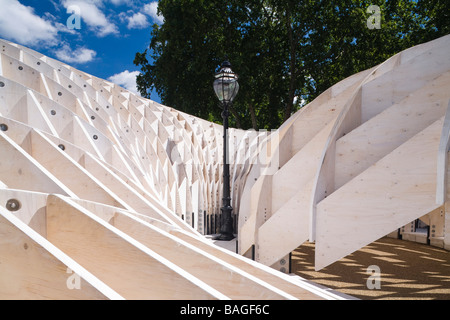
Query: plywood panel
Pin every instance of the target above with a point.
(287, 228)
(299, 289)
(20, 171)
(130, 268)
(393, 86)
(31, 268)
(231, 281)
(397, 189)
(371, 141)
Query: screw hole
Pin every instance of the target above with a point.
(13, 205)
(60, 94)
(95, 137)
(53, 112)
(20, 68)
(62, 147)
(3, 127)
(2, 84)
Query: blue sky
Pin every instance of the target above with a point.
(100, 37)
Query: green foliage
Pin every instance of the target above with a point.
(285, 52)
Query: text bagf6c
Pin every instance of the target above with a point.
(246, 309)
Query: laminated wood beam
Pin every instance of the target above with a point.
(397, 189)
(231, 281)
(296, 287)
(131, 269)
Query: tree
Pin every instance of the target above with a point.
(285, 52)
(345, 45)
(196, 36)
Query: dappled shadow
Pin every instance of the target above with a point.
(409, 270)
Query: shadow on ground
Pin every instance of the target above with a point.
(408, 270)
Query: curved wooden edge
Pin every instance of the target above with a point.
(442, 160)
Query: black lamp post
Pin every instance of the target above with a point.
(226, 87)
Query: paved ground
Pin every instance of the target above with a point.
(409, 270)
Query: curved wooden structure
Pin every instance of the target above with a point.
(106, 195)
(364, 160)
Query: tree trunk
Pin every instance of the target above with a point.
(236, 117)
(253, 116)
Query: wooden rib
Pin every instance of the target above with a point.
(153, 162)
(35, 269)
(130, 268)
(397, 189)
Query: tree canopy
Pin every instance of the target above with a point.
(285, 52)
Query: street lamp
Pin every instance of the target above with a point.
(226, 87)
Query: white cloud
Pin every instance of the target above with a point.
(152, 10)
(137, 21)
(126, 79)
(80, 55)
(93, 16)
(22, 25)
